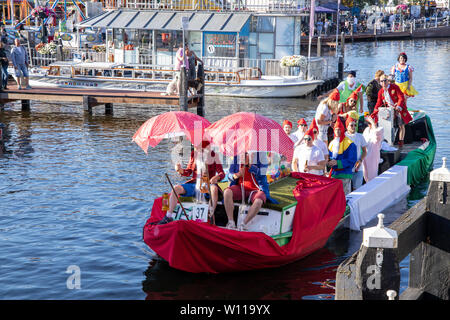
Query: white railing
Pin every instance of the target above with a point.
(214, 5)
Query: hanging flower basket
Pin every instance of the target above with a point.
(294, 61)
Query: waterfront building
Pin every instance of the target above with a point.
(226, 34)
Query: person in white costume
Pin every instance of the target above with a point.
(307, 157)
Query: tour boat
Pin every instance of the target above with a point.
(247, 82)
(311, 208)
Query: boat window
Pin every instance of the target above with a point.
(65, 71)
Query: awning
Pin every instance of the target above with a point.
(334, 6)
(167, 20)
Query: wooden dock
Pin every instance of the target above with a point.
(89, 98)
(373, 272)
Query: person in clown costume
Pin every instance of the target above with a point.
(403, 74)
(391, 96)
(343, 155)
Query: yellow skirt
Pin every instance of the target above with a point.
(411, 92)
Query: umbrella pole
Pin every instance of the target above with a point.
(173, 190)
(211, 214)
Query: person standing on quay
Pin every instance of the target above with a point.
(19, 59)
(5, 63)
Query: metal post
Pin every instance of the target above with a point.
(319, 46)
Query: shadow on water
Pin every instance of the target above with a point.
(294, 281)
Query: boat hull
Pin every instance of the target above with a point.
(246, 89)
(202, 247)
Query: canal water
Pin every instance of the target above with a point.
(75, 193)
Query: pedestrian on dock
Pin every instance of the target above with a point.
(372, 91)
(193, 59)
(20, 61)
(5, 63)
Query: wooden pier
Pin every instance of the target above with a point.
(89, 98)
(373, 272)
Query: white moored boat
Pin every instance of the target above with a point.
(106, 75)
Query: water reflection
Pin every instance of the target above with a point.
(294, 281)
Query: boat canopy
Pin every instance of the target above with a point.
(164, 20)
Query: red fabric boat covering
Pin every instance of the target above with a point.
(202, 247)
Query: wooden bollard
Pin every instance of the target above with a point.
(109, 108)
(87, 104)
(430, 261)
(319, 46)
(373, 270)
(201, 92)
(341, 68)
(183, 88)
(26, 105)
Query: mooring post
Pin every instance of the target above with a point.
(319, 46)
(341, 68)
(183, 89)
(25, 105)
(374, 269)
(87, 105)
(201, 92)
(429, 271)
(109, 108)
(342, 44)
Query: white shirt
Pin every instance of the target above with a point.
(323, 109)
(293, 137)
(299, 135)
(322, 146)
(312, 154)
(387, 97)
(360, 142)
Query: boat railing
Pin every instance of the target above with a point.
(284, 6)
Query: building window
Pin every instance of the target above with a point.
(219, 44)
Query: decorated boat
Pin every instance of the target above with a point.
(245, 82)
(309, 211)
